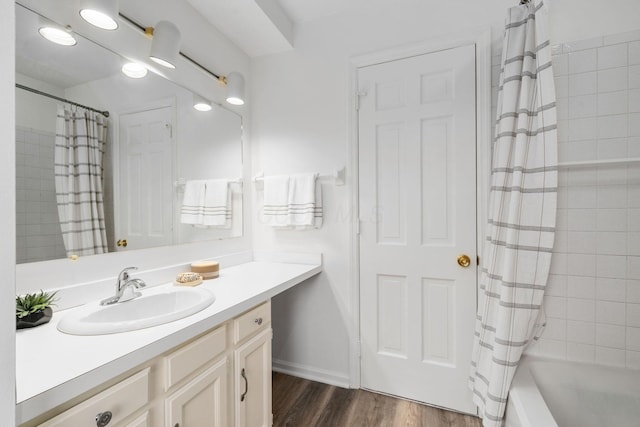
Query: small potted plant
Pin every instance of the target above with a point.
(34, 309)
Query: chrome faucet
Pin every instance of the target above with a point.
(124, 285)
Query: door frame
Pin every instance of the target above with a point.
(481, 38)
(169, 102)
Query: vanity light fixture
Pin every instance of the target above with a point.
(101, 13)
(58, 35)
(201, 104)
(134, 70)
(235, 88)
(165, 44)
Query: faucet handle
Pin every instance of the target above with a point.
(124, 274)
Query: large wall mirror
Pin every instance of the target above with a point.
(155, 146)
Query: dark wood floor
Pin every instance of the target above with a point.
(303, 403)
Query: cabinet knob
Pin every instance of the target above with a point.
(258, 321)
(103, 418)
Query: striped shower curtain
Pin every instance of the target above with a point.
(80, 140)
(522, 211)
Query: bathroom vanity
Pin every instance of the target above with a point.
(211, 368)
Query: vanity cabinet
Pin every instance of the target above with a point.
(219, 379)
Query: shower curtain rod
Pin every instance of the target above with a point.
(39, 92)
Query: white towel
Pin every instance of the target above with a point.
(192, 211)
(304, 209)
(217, 204)
(276, 196)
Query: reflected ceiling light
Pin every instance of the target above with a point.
(57, 35)
(165, 45)
(201, 104)
(101, 13)
(134, 70)
(235, 88)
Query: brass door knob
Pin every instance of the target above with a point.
(464, 261)
(122, 242)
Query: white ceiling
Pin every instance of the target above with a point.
(262, 27)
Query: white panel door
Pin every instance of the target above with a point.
(417, 189)
(145, 188)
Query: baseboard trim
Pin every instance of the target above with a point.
(310, 373)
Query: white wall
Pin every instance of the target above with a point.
(7, 216)
(300, 122)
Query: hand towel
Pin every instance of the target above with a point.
(217, 204)
(304, 206)
(276, 196)
(192, 211)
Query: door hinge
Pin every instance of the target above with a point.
(358, 221)
(358, 95)
(169, 128)
(478, 260)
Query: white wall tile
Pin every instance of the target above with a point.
(585, 219)
(633, 339)
(584, 106)
(556, 329)
(634, 53)
(612, 103)
(562, 86)
(621, 37)
(633, 267)
(633, 243)
(634, 77)
(612, 243)
(587, 83)
(549, 348)
(612, 313)
(634, 124)
(634, 101)
(612, 196)
(611, 80)
(581, 264)
(581, 287)
(555, 306)
(613, 126)
(578, 45)
(583, 61)
(611, 266)
(633, 291)
(557, 286)
(582, 150)
(582, 176)
(608, 289)
(582, 197)
(581, 242)
(613, 336)
(581, 332)
(633, 315)
(613, 174)
(581, 309)
(612, 56)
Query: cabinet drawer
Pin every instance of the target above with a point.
(252, 321)
(181, 363)
(122, 400)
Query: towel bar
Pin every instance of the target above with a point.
(338, 175)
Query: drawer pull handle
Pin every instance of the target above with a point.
(103, 418)
(246, 386)
(258, 321)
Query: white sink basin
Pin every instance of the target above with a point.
(156, 306)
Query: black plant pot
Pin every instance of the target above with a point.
(34, 319)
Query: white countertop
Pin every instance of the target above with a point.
(75, 364)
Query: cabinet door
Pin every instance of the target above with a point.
(253, 382)
(202, 402)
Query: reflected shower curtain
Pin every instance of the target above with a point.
(522, 211)
(80, 140)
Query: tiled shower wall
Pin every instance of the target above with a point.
(593, 296)
(38, 236)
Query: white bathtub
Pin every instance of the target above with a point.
(549, 393)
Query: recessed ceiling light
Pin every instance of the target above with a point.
(134, 70)
(57, 35)
(101, 13)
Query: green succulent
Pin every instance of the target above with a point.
(32, 303)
